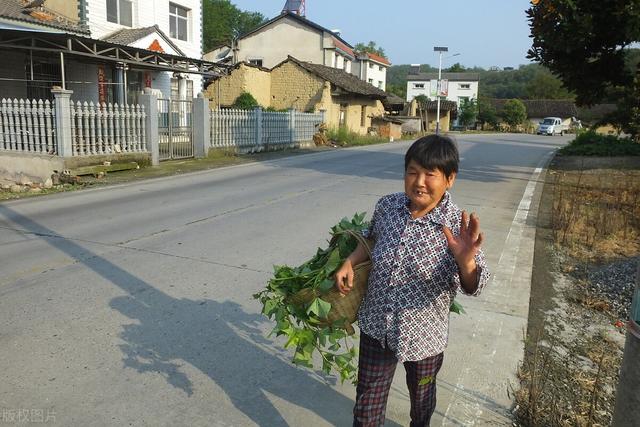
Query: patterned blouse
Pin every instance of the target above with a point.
(414, 278)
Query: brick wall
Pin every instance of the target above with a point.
(253, 80)
(294, 87)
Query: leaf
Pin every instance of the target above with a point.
(326, 285)
(269, 307)
(320, 308)
(456, 307)
(333, 262)
(426, 380)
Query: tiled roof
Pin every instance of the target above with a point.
(126, 36)
(14, 10)
(445, 105)
(394, 100)
(341, 79)
(538, 108)
(343, 47)
(452, 77)
(377, 58)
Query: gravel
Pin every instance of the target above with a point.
(613, 282)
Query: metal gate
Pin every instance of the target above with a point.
(175, 129)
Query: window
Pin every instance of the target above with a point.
(120, 12)
(370, 65)
(345, 64)
(181, 89)
(178, 17)
(363, 115)
(379, 84)
(370, 81)
(257, 62)
(465, 86)
(418, 85)
(380, 67)
(342, 119)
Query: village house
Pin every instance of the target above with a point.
(291, 34)
(460, 87)
(304, 86)
(102, 50)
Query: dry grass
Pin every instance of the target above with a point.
(595, 218)
(596, 213)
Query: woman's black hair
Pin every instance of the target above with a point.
(434, 152)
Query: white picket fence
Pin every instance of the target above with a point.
(256, 129)
(27, 126)
(107, 128)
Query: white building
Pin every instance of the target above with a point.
(290, 34)
(110, 50)
(461, 86)
(372, 68)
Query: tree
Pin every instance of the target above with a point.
(223, 22)
(514, 112)
(370, 47)
(457, 68)
(486, 113)
(399, 90)
(545, 85)
(468, 112)
(585, 43)
(245, 101)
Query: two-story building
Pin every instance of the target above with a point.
(103, 50)
(290, 34)
(372, 68)
(459, 86)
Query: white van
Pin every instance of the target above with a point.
(551, 126)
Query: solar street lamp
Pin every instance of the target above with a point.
(439, 49)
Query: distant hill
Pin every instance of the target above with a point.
(531, 81)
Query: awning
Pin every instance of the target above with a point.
(101, 51)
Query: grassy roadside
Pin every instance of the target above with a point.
(587, 249)
(215, 159)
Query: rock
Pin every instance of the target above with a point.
(48, 183)
(16, 188)
(55, 179)
(36, 190)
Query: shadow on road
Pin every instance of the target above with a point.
(218, 338)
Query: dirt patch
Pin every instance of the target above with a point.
(587, 250)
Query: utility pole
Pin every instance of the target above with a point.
(627, 410)
(439, 49)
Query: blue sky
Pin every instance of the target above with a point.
(485, 33)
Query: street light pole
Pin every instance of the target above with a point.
(439, 49)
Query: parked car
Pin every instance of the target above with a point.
(551, 126)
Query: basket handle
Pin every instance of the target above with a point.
(360, 238)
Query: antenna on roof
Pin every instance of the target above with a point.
(295, 6)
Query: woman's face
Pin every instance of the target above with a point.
(425, 188)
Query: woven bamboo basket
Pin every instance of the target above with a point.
(343, 306)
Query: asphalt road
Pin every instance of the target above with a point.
(131, 305)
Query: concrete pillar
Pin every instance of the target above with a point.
(627, 410)
(150, 103)
(62, 103)
(201, 126)
(258, 112)
(292, 126)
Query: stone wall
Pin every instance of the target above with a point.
(294, 87)
(245, 78)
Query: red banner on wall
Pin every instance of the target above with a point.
(102, 86)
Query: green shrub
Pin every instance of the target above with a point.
(343, 136)
(590, 143)
(245, 101)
